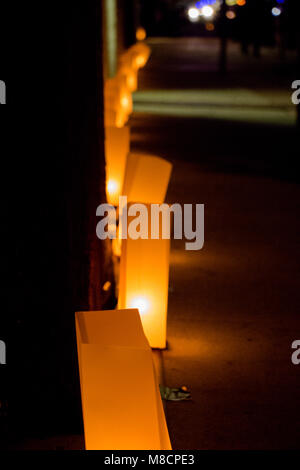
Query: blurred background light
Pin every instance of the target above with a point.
(230, 15)
(207, 11)
(141, 34)
(193, 13)
(276, 11)
(209, 26)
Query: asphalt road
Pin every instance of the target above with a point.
(233, 306)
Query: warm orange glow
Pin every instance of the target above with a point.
(142, 49)
(117, 101)
(146, 178)
(210, 26)
(140, 61)
(132, 82)
(141, 34)
(144, 276)
(141, 303)
(130, 75)
(126, 59)
(121, 404)
(112, 187)
(241, 2)
(106, 286)
(117, 143)
(136, 56)
(125, 102)
(121, 118)
(115, 117)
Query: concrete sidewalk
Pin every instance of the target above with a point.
(234, 306)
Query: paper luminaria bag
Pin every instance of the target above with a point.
(144, 282)
(146, 181)
(117, 94)
(117, 145)
(136, 56)
(121, 404)
(130, 75)
(141, 53)
(146, 178)
(115, 117)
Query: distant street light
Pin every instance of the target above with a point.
(276, 11)
(207, 11)
(193, 13)
(230, 15)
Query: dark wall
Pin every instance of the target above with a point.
(53, 180)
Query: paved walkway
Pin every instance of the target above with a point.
(234, 306)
